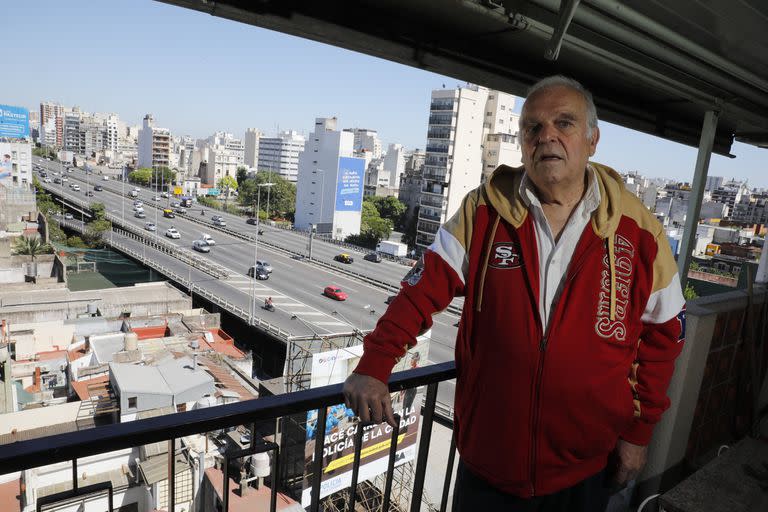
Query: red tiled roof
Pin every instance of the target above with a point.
(10, 496)
(254, 499)
(81, 387)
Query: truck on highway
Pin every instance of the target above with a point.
(396, 249)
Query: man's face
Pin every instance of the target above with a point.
(554, 136)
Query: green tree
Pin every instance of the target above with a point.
(98, 211)
(242, 175)
(142, 176)
(31, 246)
(372, 225)
(163, 176)
(409, 233)
(389, 208)
(94, 233)
(76, 242)
(282, 194)
(227, 183)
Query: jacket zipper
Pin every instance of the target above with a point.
(543, 342)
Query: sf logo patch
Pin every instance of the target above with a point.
(681, 320)
(505, 255)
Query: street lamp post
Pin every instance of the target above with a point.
(256, 248)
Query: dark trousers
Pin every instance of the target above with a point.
(474, 493)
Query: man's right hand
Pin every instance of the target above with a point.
(369, 398)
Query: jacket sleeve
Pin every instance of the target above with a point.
(661, 341)
(428, 288)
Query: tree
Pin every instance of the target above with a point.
(227, 183)
(94, 233)
(282, 194)
(389, 208)
(98, 211)
(142, 176)
(31, 246)
(689, 293)
(163, 176)
(242, 175)
(76, 242)
(409, 233)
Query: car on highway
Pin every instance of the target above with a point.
(205, 237)
(68, 216)
(138, 203)
(140, 215)
(258, 272)
(169, 214)
(64, 179)
(175, 204)
(373, 256)
(180, 211)
(389, 299)
(335, 293)
(172, 232)
(105, 178)
(98, 188)
(251, 220)
(150, 226)
(76, 187)
(89, 193)
(217, 217)
(138, 208)
(220, 223)
(201, 246)
(265, 265)
(344, 258)
(46, 180)
(164, 194)
(156, 198)
(57, 181)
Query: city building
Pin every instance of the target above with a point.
(16, 159)
(460, 123)
(366, 140)
(329, 190)
(251, 148)
(393, 166)
(51, 124)
(713, 183)
(154, 145)
(281, 154)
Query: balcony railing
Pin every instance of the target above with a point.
(71, 446)
(433, 148)
(441, 105)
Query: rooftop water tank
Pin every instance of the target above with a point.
(260, 464)
(131, 341)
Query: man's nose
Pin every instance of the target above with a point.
(548, 133)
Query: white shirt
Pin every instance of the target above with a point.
(554, 258)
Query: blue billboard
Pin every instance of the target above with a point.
(14, 122)
(349, 184)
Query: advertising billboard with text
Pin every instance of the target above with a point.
(349, 184)
(14, 122)
(332, 367)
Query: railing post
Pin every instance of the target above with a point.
(448, 473)
(172, 473)
(426, 437)
(317, 475)
(356, 465)
(391, 464)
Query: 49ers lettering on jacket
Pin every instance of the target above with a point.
(538, 411)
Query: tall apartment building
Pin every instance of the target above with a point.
(366, 140)
(281, 154)
(16, 158)
(394, 165)
(329, 190)
(462, 122)
(731, 193)
(251, 148)
(713, 183)
(223, 154)
(52, 124)
(154, 144)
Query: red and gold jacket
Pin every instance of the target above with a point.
(538, 411)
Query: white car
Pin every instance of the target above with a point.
(47, 180)
(150, 226)
(172, 233)
(201, 246)
(68, 216)
(76, 188)
(205, 237)
(105, 178)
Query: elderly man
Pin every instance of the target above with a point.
(572, 320)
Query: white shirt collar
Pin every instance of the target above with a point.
(590, 200)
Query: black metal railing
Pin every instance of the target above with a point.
(71, 446)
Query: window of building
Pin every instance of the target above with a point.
(502, 107)
(501, 121)
(488, 114)
(132, 402)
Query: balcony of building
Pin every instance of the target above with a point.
(441, 132)
(441, 105)
(442, 120)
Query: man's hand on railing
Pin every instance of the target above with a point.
(369, 398)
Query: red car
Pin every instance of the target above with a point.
(334, 292)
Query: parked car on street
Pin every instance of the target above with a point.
(335, 292)
(344, 258)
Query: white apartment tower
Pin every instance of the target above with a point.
(251, 156)
(154, 144)
(366, 140)
(329, 190)
(394, 166)
(51, 124)
(281, 154)
(471, 131)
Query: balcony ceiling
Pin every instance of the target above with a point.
(653, 65)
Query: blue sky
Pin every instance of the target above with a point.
(198, 74)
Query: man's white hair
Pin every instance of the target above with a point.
(570, 83)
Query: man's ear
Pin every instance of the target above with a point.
(594, 141)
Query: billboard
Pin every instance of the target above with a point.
(332, 367)
(6, 168)
(349, 184)
(14, 122)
